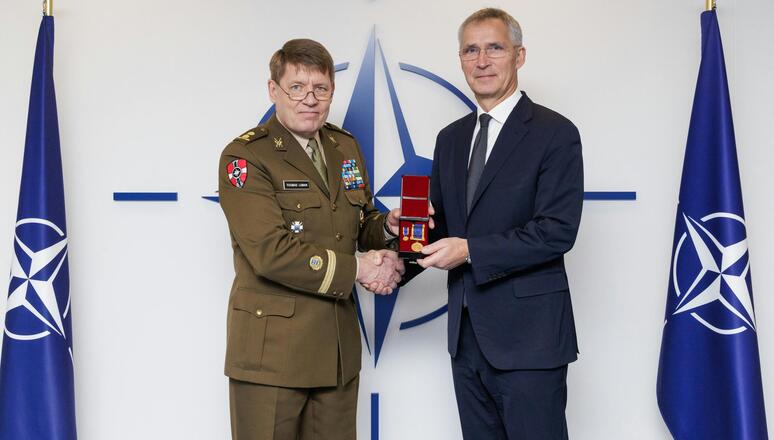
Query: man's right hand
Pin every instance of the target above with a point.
(380, 271)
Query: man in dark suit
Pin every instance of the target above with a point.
(507, 188)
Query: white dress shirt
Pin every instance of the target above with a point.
(499, 114)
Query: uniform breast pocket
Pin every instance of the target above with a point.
(299, 210)
(256, 328)
(357, 201)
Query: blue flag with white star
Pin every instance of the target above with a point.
(709, 376)
(36, 369)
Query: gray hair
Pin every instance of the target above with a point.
(514, 30)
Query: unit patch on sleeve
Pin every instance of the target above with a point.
(350, 175)
(237, 172)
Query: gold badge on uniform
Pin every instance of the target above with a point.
(247, 136)
(316, 262)
(278, 143)
(333, 139)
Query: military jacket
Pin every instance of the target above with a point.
(292, 320)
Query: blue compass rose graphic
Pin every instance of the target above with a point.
(360, 121)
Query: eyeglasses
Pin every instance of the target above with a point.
(297, 92)
(471, 53)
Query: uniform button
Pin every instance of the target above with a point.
(341, 293)
(298, 206)
(338, 236)
(333, 206)
(259, 312)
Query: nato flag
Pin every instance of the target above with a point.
(709, 376)
(37, 399)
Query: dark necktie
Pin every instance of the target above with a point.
(477, 159)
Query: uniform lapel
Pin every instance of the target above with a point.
(295, 154)
(508, 140)
(333, 159)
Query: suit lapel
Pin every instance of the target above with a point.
(508, 140)
(333, 160)
(295, 155)
(460, 163)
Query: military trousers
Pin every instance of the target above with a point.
(265, 412)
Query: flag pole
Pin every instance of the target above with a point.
(710, 5)
(48, 8)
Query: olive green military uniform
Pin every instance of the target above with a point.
(292, 321)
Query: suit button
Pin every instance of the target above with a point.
(259, 312)
(338, 236)
(298, 205)
(333, 206)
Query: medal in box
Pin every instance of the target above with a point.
(415, 216)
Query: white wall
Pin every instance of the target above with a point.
(150, 92)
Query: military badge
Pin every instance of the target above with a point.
(316, 262)
(237, 172)
(278, 144)
(297, 227)
(350, 175)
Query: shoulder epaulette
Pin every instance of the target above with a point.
(252, 134)
(330, 126)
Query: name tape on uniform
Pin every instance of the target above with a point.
(295, 184)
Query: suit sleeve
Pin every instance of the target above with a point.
(256, 224)
(557, 211)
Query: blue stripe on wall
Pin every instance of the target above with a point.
(145, 196)
(374, 416)
(610, 195)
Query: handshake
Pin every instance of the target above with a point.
(380, 271)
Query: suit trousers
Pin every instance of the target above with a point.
(506, 404)
(264, 412)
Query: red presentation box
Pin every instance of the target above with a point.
(415, 216)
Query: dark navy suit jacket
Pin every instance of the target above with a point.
(524, 218)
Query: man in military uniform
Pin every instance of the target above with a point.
(298, 203)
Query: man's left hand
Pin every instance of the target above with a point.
(445, 254)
